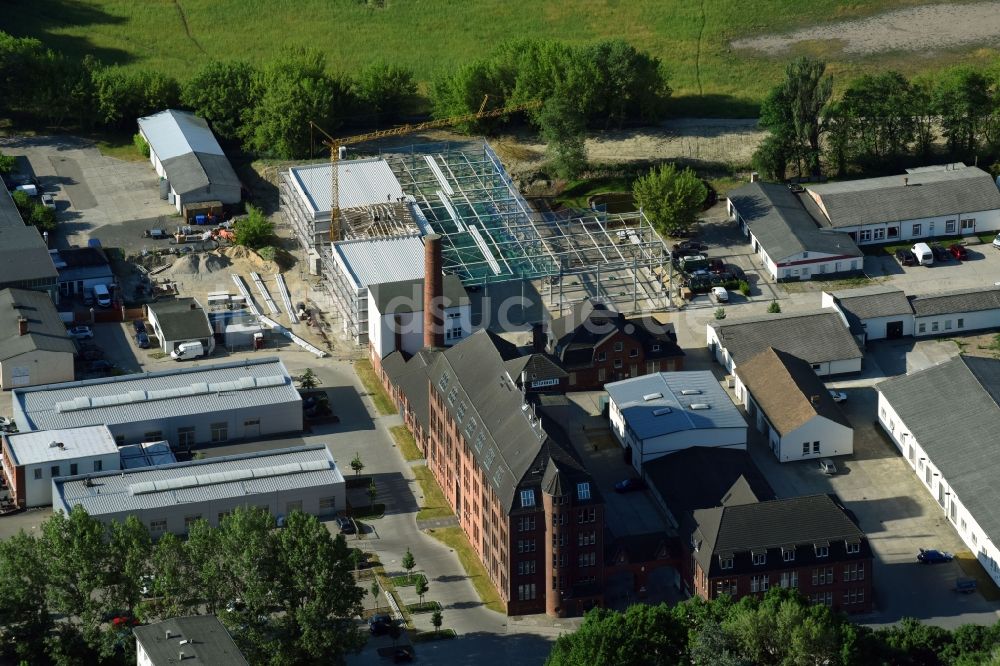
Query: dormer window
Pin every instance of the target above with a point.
(527, 498)
(583, 491)
(725, 561)
(656, 348)
(788, 553)
(822, 549)
(853, 547)
(759, 558)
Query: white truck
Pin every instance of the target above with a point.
(188, 350)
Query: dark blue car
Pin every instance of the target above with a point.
(142, 339)
(934, 556)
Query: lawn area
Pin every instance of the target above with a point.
(366, 373)
(434, 505)
(708, 76)
(455, 538)
(407, 580)
(890, 249)
(119, 146)
(407, 445)
(578, 191)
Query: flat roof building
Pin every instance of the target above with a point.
(180, 320)
(31, 460)
(197, 640)
(168, 498)
(185, 406)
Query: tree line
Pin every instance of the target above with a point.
(881, 122)
(782, 628)
(267, 108)
(71, 594)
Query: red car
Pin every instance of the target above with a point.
(958, 251)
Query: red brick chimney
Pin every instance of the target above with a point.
(433, 307)
(22, 326)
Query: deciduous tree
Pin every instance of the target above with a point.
(221, 93)
(255, 230)
(670, 198)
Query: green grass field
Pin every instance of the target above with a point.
(691, 37)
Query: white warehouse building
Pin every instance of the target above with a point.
(186, 406)
(662, 413)
(169, 498)
(951, 444)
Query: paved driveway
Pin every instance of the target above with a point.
(899, 517)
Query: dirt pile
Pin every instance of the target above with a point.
(200, 264)
(246, 259)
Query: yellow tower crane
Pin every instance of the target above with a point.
(336, 144)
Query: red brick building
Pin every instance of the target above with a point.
(532, 513)
(595, 344)
(744, 547)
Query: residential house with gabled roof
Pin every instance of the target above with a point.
(745, 546)
(596, 344)
(531, 511)
(34, 346)
(944, 420)
(790, 406)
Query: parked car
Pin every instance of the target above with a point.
(139, 326)
(346, 525)
(720, 294)
(142, 339)
(100, 365)
(48, 200)
(959, 251)
(716, 266)
(996, 241)
(941, 253)
(827, 466)
(402, 655)
(932, 556)
(689, 245)
(838, 396)
(629, 485)
(379, 624)
(906, 258)
(966, 585)
(81, 333)
(157, 234)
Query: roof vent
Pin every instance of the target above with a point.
(169, 634)
(652, 396)
(56, 445)
(691, 392)
(700, 405)
(661, 411)
(181, 656)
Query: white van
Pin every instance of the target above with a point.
(102, 295)
(187, 350)
(923, 253)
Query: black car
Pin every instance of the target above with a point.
(142, 339)
(402, 655)
(906, 257)
(940, 252)
(139, 326)
(379, 624)
(346, 525)
(100, 365)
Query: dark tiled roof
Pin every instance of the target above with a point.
(538, 366)
(871, 302)
(79, 257)
(194, 171)
(783, 226)
(509, 442)
(798, 521)
(816, 336)
(959, 435)
(955, 302)
(891, 199)
(23, 256)
(592, 321)
(181, 319)
(46, 330)
(208, 642)
(408, 295)
(788, 391)
(410, 377)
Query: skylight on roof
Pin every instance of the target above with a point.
(661, 411)
(691, 392)
(700, 405)
(652, 396)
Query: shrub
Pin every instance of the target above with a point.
(774, 307)
(744, 287)
(720, 313)
(268, 252)
(140, 144)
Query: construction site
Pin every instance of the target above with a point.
(492, 239)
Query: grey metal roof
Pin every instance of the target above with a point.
(9, 215)
(206, 642)
(507, 439)
(181, 319)
(788, 391)
(891, 199)
(956, 302)
(783, 226)
(959, 435)
(188, 151)
(361, 183)
(196, 389)
(382, 260)
(816, 336)
(243, 476)
(23, 256)
(741, 527)
(667, 402)
(870, 302)
(29, 448)
(408, 295)
(196, 171)
(46, 331)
